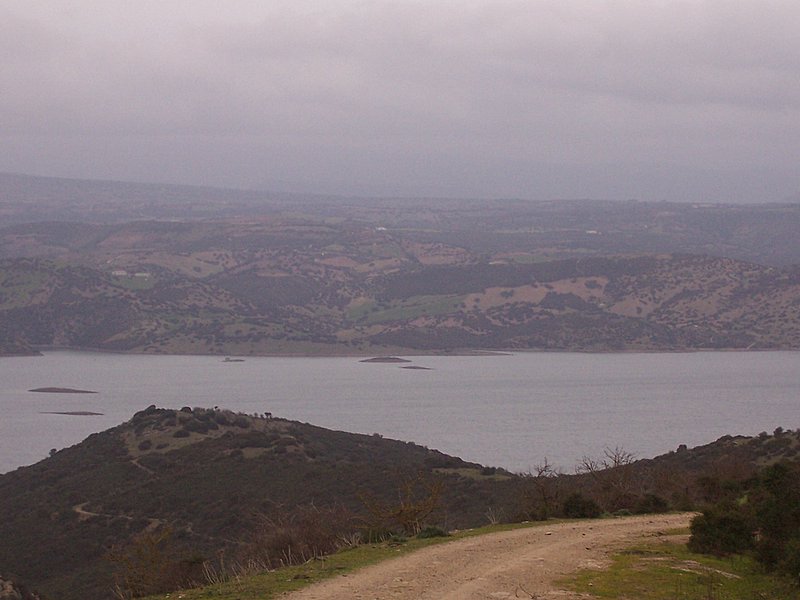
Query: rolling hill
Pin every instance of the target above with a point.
(291, 302)
(210, 479)
(177, 269)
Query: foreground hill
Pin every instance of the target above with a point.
(210, 479)
(209, 476)
(305, 300)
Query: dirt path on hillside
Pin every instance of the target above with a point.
(524, 563)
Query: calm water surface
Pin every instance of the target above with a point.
(510, 411)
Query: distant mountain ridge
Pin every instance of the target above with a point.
(762, 233)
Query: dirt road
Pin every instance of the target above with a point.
(524, 563)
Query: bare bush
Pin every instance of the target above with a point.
(297, 536)
(417, 498)
(151, 564)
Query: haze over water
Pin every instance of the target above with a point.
(510, 411)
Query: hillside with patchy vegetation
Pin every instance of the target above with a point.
(295, 304)
(171, 269)
(209, 484)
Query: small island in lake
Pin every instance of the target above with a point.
(61, 390)
(385, 359)
(417, 368)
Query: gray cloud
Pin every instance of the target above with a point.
(658, 100)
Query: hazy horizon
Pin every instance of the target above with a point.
(692, 102)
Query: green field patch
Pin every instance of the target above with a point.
(669, 571)
(404, 310)
(135, 283)
(19, 287)
(530, 259)
(386, 250)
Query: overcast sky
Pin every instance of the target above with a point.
(653, 100)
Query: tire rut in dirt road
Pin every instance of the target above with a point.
(523, 563)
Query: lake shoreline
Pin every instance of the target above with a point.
(401, 352)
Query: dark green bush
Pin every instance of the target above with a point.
(650, 503)
(431, 532)
(242, 422)
(195, 425)
(578, 506)
(789, 563)
(722, 530)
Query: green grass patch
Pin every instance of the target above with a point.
(530, 259)
(417, 306)
(135, 283)
(668, 571)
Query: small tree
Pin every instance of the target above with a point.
(613, 476)
(541, 495)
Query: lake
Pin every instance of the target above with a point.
(510, 410)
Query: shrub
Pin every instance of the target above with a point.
(417, 498)
(431, 532)
(721, 530)
(195, 425)
(242, 422)
(650, 503)
(577, 506)
(151, 564)
(295, 537)
(789, 564)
